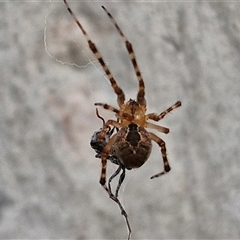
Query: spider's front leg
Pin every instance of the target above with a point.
(161, 144)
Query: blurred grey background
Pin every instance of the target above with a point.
(188, 51)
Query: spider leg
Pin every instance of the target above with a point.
(157, 117)
(161, 144)
(141, 92)
(116, 88)
(108, 107)
(118, 112)
(158, 128)
(104, 155)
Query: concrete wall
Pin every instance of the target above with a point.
(188, 51)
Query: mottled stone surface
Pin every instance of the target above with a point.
(188, 51)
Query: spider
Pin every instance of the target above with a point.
(131, 145)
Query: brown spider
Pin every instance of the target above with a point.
(132, 144)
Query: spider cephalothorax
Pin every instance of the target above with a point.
(132, 112)
(131, 145)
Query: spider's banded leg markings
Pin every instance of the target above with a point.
(108, 107)
(141, 93)
(104, 155)
(157, 127)
(161, 144)
(117, 89)
(107, 149)
(157, 117)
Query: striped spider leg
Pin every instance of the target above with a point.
(98, 145)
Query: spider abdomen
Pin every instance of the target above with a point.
(133, 146)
